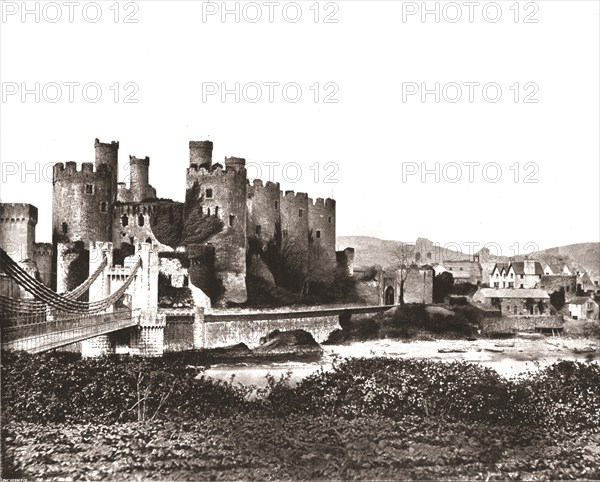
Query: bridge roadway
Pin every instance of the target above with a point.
(230, 315)
(48, 335)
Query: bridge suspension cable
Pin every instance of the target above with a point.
(35, 306)
(60, 302)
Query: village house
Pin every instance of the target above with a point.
(517, 274)
(583, 308)
(463, 271)
(515, 302)
(557, 269)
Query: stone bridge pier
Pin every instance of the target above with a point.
(141, 297)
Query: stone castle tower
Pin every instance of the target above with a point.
(250, 229)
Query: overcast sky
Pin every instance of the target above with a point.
(359, 118)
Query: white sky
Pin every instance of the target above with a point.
(369, 53)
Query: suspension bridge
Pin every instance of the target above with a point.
(120, 298)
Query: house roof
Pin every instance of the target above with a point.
(556, 268)
(501, 266)
(580, 300)
(512, 293)
(519, 267)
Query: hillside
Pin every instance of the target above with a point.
(374, 251)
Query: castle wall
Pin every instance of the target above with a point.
(321, 245)
(555, 282)
(263, 210)
(223, 194)
(418, 286)
(81, 202)
(17, 229)
(294, 237)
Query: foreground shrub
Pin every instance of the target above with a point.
(63, 388)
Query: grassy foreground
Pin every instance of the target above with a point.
(367, 419)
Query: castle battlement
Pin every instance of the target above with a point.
(112, 144)
(71, 172)
(294, 196)
(139, 161)
(18, 212)
(322, 203)
(216, 170)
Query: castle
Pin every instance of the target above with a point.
(226, 231)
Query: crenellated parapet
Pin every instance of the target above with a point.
(86, 172)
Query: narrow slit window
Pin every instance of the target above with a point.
(209, 193)
(231, 220)
(300, 212)
(89, 189)
(318, 234)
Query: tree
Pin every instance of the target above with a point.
(403, 256)
(557, 298)
(442, 286)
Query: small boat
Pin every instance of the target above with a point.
(451, 350)
(494, 350)
(585, 349)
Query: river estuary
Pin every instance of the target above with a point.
(510, 358)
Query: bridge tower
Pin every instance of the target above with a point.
(141, 297)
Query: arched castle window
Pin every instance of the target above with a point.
(125, 220)
(209, 193)
(89, 189)
(231, 220)
(208, 212)
(141, 220)
(65, 228)
(330, 219)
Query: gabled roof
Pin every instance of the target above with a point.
(556, 268)
(519, 267)
(581, 300)
(500, 267)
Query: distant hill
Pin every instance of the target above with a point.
(371, 251)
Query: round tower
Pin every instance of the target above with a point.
(236, 163)
(81, 202)
(201, 153)
(321, 228)
(294, 240)
(263, 208)
(221, 193)
(108, 154)
(140, 188)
